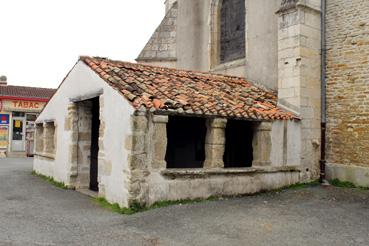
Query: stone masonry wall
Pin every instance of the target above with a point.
(348, 82)
(299, 86)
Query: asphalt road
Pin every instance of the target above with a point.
(32, 212)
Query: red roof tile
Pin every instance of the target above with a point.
(26, 92)
(172, 91)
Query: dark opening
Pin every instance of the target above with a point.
(186, 142)
(94, 144)
(238, 149)
(232, 30)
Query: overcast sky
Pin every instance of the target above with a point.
(40, 40)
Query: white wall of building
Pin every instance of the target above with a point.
(116, 113)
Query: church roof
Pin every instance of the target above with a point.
(171, 91)
(162, 44)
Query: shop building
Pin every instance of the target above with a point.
(19, 108)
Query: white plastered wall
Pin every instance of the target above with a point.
(116, 113)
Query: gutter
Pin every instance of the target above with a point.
(323, 160)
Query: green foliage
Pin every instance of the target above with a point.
(303, 185)
(116, 208)
(345, 184)
(137, 208)
(51, 180)
(299, 186)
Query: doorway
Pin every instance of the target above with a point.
(18, 134)
(94, 151)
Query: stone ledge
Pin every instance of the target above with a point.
(229, 65)
(204, 173)
(355, 174)
(45, 155)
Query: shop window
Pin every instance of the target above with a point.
(49, 138)
(232, 30)
(238, 148)
(186, 142)
(18, 114)
(39, 138)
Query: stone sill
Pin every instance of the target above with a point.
(201, 173)
(229, 65)
(45, 155)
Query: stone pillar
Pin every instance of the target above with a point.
(262, 144)
(71, 126)
(215, 143)
(299, 86)
(159, 141)
(49, 135)
(39, 138)
(137, 160)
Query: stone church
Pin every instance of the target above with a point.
(284, 45)
(229, 97)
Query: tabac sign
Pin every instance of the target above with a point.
(22, 105)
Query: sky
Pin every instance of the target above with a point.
(41, 40)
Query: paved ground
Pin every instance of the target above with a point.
(33, 212)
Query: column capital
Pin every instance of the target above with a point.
(217, 123)
(160, 119)
(263, 126)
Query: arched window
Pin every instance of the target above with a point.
(232, 30)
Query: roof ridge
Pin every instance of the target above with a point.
(202, 73)
(31, 87)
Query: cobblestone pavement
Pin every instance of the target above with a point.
(32, 212)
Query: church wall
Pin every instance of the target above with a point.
(262, 42)
(196, 43)
(193, 35)
(348, 90)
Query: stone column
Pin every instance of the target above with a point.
(262, 144)
(137, 160)
(71, 126)
(159, 141)
(49, 134)
(215, 143)
(39, 138)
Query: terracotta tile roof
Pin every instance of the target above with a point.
(26, 92)
(172, 91)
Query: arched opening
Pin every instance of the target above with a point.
(232, 30)
(228, 31)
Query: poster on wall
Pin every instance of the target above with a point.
(4, 119)
(3, 137)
